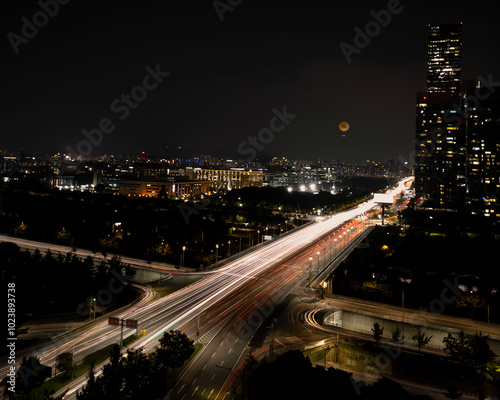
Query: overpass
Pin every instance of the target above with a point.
(322, 279)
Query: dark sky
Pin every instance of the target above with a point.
(226, 77)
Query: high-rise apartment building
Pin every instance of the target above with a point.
(483, 151)
(441, 143)
(444, 59)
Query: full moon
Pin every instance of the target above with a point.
(344, 126)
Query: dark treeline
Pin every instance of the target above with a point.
(137, 375)
(62, 283)
(157, 228)
(292, 376)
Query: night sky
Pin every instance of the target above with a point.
(226, 77)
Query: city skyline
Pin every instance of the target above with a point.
(250, 200)
(219, 76)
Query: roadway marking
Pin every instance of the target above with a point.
(180, 388)
(203, 369)
(183, 396)
(203, 391)
(194, 380)
(213, 355)
(195, 391)
(210, 394)
(229, 351)
(212, 376)
(221, 343)
(222, 362)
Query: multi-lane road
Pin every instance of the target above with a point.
(222, 303)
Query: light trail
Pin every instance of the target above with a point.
(180, 308)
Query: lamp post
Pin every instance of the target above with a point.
(183, 254)
(318, 254)
(216, 252)
(92, 300)
(228, 248)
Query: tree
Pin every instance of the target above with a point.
(480, 351)
(175, 348)
(136, 376)
(64, 363)
(397, 335)
(472, 301)
(22, 229)
(458, 347)
(63, 235)
(31, 374)
(421, 339)
(162, 194)
(378, 331)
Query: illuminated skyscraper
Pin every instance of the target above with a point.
(483, 151)
(444, 58)
(440, 132)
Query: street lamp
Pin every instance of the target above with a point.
(183, 250)
(228, 248)
(216, 252)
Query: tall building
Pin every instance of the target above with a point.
(483, 151)
(441, 142)
(444, 58)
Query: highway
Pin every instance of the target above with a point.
(213, 300)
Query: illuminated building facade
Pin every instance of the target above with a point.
(170, 189)
(444, 59)
(228, 179)
(440, 132)
(483, 151)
